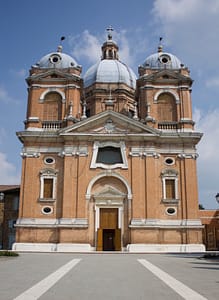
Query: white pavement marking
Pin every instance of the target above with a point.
(180, 288)
(44, 285)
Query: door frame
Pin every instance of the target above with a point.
(98, 206)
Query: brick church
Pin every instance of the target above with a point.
(109, 158)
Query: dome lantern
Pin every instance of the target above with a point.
(110, 48)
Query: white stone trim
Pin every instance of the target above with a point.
(120, 145)
(51, 247)
(108, 173)
(74, 151)
(144, 152)
(52, 89)
(97, 215)
(168, 91)
(120, 220)
(42, 149)
(157, 223)
(170, 174)
(33, 119)
(51, 222)
(48, 174)
(61, 151)
(153, 248)
(188, 155)
(133, 248)
(47, 213)
(165, 87)
(71, 85)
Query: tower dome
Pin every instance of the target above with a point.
(57, 60)
(110, 69)
(162, 60)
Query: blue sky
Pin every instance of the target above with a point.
(190, 30)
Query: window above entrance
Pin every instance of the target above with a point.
(109, 155)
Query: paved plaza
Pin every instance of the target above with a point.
(108, 276)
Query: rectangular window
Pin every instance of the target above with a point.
(109, 155)
(170, 189)
(48, 188)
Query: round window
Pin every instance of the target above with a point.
(49, 160)
(164, 59)
(169, 161)
(171, 211)
(47, 210)
(55, 58)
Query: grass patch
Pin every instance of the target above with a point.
(8, 253)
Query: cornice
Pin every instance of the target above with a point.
(157, 223)
(52, 223)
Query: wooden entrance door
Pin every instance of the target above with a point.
(108, 239)
(108, 218)
(108, 235)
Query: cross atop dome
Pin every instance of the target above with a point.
(160, 46)
(110, 30)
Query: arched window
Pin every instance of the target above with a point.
(110, 53)
(166, 108)
(52, 107)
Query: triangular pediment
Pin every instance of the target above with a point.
(52, 74)
(168, 76)
(108, 123)
(108, 192)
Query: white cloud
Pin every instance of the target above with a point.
(3, 135)
(88, 46)
(212, 82)
(181, 10)
(208, 162)
(8, 174)
(19, 73)
(5, 97)
(208, 124)
(192, 28)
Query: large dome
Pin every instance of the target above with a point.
(56, 60)
(110, 71)
(162, 60)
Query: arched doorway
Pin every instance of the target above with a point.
(109, 217)
(111, 206)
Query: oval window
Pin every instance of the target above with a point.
(171, 210)
(169, 161)
(47, 210)
(49, 160)
(55, 58)
(164, 59)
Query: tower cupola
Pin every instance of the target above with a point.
(110, 48)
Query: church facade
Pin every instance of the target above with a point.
(109, 159)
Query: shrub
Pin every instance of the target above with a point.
(8, 253)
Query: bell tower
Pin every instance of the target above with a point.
(164, 92)
(54, 92)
